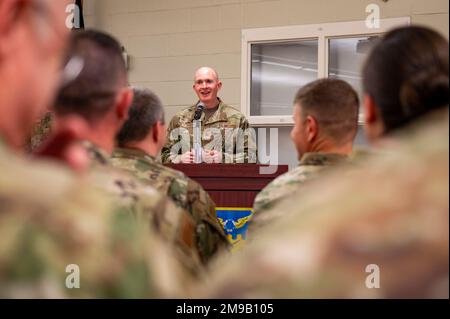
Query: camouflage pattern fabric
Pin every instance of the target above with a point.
(184, 192)
(51, 221)
(226, 117)
(380, 232)
(41, 131)
(174, 224)
(310, 167)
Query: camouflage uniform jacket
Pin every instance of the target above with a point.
(66, 227)
(222, 125)
(174, 224)
(185, 192)
(309, 167)
(382, 231)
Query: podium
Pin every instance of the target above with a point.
(231, 185)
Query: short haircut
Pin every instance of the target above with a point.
(406, 74)
(216, 74)
(92, 94)
(144, 112)
(334, 104)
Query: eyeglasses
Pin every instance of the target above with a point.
(71, 70)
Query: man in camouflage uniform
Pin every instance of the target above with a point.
(140, 140)
(380, 232)
(69, 223)
(101, 97)
(382, 229)
(226, 136)
(326, 119)
(144, 201)
(54, 224)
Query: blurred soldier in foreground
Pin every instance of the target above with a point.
(140, 140)
(326, 120)
(53, 224)
(382, 231)
(100, 95)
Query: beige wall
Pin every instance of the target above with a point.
(168, 39)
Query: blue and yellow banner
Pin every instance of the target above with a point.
(235, 223)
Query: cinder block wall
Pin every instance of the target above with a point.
(167, 40)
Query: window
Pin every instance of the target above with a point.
(276, 62)
(277, 70)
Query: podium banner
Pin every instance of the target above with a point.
(234, 221)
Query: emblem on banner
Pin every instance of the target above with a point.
(235, 223)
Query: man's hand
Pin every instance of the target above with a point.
(212, 156)
(187, 158)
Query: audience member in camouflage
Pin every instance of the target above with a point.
(140, 140)
(380, 232)
(326, 120)
(106, 113)
(236, 142)
(383, 230)
(54, 224)
(142, 199)
(70, 223)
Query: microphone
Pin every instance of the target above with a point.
(197, 133)
(199, 110)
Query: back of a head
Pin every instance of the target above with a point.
(145, 110)
(406, 75)
(92, 94)
(334, 104)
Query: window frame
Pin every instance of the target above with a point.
(322, 32)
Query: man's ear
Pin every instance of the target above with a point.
(155, 132)
(312, 128)
(124, 100)
(9, 13)
(373, 122)
(159, 133)
(219, 85)
(370, 110)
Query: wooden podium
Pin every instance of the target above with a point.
(231, 185)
